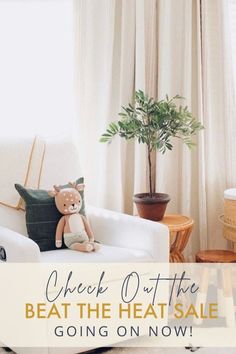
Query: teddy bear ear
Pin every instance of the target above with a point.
(55, 191)
(57, 188)
(80, 187)
(52, 193)
(72, 184)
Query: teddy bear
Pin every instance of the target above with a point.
(75, 228)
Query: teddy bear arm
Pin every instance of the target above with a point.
(60, 229)
(88, 229)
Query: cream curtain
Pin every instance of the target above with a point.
(160, 46)
(195, 61)
(116, 53)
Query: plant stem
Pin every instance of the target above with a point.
(150, 171)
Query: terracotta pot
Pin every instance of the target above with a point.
(152, 208)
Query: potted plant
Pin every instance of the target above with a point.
(155, 124)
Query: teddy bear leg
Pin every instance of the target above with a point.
(83, 247)
(96, 246)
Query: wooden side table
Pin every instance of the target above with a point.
(180, 227)
(216, 256)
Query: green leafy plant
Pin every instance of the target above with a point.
(154, 123)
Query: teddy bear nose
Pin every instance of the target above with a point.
(73, 205)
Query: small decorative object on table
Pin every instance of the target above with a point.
(180, 227)
(229, 217)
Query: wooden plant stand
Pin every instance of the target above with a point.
(180, 228)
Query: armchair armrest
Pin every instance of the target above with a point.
(128, 231)
(18, 248)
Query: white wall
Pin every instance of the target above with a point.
(36, 66)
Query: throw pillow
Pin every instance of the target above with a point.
(42, 215)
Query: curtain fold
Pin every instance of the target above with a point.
(163, 47)
(219, 112)
(176, 171)
(106, 62)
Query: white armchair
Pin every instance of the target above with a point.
(124, 238)
(41, 161)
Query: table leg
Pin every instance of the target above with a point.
(178, 242)
(176, 257)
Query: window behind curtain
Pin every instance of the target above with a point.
(36, 66)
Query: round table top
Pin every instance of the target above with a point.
(216, 256)
(177, 222)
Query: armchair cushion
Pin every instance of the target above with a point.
(105, 254)
(42, 215)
